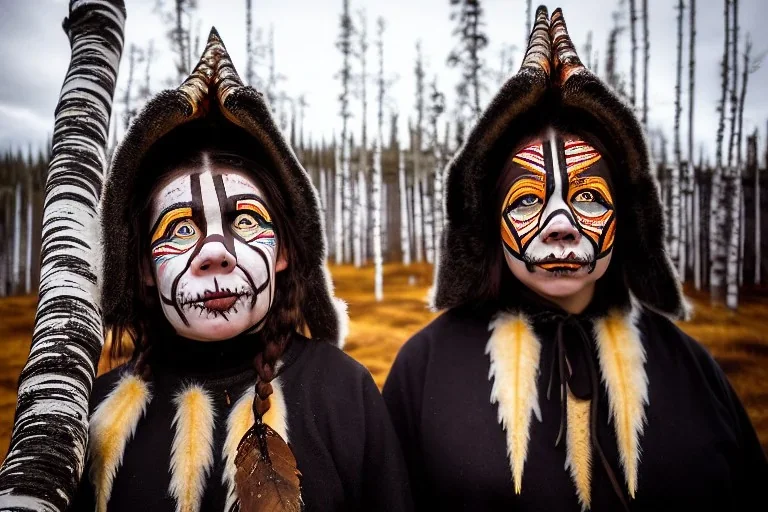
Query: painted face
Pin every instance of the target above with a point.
(214, 253)
(558, 220)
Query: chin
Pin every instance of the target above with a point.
(215, 329)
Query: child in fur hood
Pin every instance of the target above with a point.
(555, 380)
(238, 396)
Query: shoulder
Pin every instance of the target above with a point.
(316, 359)
(662, 334)
(106, 382)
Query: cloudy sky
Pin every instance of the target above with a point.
(37, 54)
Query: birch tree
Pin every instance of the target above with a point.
(633, 67)
(716, 208)
(405, 238)
(376, 193)
(362, 169)
(695, 213)
(344, 45)
(646, 60)
(677, 245)
(467, 55)
(436, 109)
(47, 449)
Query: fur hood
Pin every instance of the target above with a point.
(214, 88)
(552, 84)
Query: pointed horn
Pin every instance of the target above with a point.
(565, 59)
(539, 52)
(214, 71)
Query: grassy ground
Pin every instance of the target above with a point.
(739, 341)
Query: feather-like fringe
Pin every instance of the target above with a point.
(240, 419)
(192, 449)
(622, 365)
(514, 352)
(578, 448)
(112, 425)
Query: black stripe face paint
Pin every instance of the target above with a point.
(215, 252)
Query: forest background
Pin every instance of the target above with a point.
(375, 97)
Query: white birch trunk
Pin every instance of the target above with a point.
(716, 223)
(347, 200)
(324, 201)
(338, 221)
(16, 239)
(418, 222)
(47, 448)
(683, 220)
(674, 213)
(741, 235)
(376, 197)
(357, 232)
(365, 221)
(758, 256)
(696, 235)
(734, 224)
(28, 257)
(405, 238)
(439, 215)
(427, 214)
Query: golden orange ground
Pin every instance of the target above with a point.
(739, 341)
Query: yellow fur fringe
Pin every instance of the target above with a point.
(240, 419)
(112, 425)
(514, 352)
(578, 456)
(192, 449)
(622, 365)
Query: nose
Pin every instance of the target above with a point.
(560, 229)
(213, 258)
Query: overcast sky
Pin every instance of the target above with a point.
(37, 54)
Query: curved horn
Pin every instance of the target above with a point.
(214, 72)
(539, 52)
(565, 58)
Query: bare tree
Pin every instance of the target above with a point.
(128, 112)
(178, 16)
(716, 208)
(467, 55)
(633, 37)
(147, 58)
(646, 59)
(588, 50)
(248, 43)
(528, 20)
(677, 240)
(344, 44)
(611, 60)
(405, 239)
(436, 109)
(695, 214)
(507, 63)
(361, 53)
(377, 171)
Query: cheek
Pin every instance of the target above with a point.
(168, 269)
(256, 259)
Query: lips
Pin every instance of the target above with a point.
(219, 301)
(561, 265)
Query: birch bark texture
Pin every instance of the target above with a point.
(47, 449)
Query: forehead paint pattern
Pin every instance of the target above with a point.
(237, 221)
(554, 177)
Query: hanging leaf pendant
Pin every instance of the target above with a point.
(266, 476)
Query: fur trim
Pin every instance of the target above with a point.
(112, 425)
(343, 318)
(622, 366)
(240, 419)
(578, 448)
(213, 88)
(192, 449)
(514, 352)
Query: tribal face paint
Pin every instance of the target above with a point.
(214, 253)
(557, 217)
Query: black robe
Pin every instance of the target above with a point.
(338, 425)
(699, 450)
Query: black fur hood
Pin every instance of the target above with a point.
(552, 84)
(214, 88)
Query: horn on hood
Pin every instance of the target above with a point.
(538, 55)
(564, 57)
(213, 89)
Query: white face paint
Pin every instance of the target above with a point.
(558, 222)
(214, 253)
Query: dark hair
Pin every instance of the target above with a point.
(185, 146)
(501, 286)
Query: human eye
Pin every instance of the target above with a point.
(589, 203)
(184, 229)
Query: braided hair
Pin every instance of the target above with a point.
(188, 146)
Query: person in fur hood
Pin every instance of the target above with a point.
(237, 396)
(555, 379)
